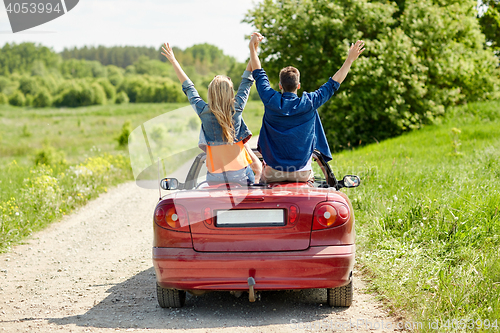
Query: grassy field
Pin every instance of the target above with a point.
(428, 219)
(84, 159)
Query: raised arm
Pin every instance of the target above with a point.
(354, 52)
(241, 97)
(254, 45)
(169, 54)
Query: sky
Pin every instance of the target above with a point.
(182, 23)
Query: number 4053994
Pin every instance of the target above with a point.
(33, 8)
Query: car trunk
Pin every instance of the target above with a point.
(254, 219)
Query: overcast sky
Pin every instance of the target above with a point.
(142, 23)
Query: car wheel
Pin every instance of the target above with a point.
(170, 298)
(341, 296)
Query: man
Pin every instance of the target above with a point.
(291, 127)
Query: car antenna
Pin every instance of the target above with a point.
(159, 181)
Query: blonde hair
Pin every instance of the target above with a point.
(221, 103)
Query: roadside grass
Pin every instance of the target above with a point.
(428, 219)
(82, 159)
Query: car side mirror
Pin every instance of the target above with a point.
(350, 181)
(170, 184)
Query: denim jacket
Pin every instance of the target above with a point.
(211, 131)
(291, 127)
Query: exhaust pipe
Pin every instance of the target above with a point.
(251, 290)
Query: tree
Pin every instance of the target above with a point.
(490, 22)
(17, 99)
(421, 57)
(42, 99)
(22, 57)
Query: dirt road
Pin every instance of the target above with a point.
(92, 272)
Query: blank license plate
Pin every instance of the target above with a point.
(250, 218)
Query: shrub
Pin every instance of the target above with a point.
(48, 155)
(123, 137)
(109, 89)
(17, 98)
(81, 94)
(3, 99)
(132, 86)
(115, 75)
(28, 85)
(99, 94)
(121, 98)
(42, 99)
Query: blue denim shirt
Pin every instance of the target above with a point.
(211, 131)
(291, 127)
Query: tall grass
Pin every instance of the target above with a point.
(428, 218)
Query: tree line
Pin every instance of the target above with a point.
(34, 75)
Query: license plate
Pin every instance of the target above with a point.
(250, 218)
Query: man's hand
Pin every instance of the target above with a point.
(168, 53)
(355, 50)
(255, 40)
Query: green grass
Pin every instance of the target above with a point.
(86, 159)
(428, 217)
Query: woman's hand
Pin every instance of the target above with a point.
(255, 41)
(355, 50)
(168, 53)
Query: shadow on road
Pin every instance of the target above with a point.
(133, 304)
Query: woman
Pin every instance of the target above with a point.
(223, 132)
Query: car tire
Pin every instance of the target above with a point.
(340, 296)
(170, 298)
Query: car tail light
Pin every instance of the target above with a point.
(332, 214)
(293, 214)
(207, 215)
(172, 216)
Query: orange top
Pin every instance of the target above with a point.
(227, 157)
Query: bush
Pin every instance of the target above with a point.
(123, 137)
(109, 89)
(132, 86)
(49, 156)
(81, 94)
(3, 99)
(121, 98)
(29, 85)
(115, 75)
(42, 99)
(17, 99)
(164, 92)
(99, 94)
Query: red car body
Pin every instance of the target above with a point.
(283, 236)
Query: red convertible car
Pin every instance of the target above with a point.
(254, 238)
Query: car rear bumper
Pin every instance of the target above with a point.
(316, 267)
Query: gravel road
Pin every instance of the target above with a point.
(92, 272)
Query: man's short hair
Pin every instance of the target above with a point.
(289, 78)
